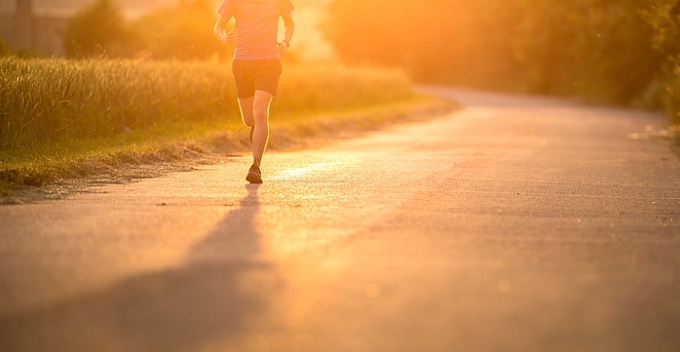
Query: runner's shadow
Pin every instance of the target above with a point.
(200, 304)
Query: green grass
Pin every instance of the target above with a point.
(47, 101)
(181, 141)
(67, 119)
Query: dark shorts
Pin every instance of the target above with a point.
(252, 75)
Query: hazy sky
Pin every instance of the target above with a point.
(307, 15)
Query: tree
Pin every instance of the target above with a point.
(182, 32)
(664, 17)
(96, 29)
(434, 40)
(595, 48)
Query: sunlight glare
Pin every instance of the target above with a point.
(296, 173)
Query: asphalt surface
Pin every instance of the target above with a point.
(515, 224)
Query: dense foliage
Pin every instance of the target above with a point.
(596, 48)
(664, 18)
(609, 50)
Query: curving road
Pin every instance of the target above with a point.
(516, 224)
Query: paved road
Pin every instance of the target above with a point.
(516, 224)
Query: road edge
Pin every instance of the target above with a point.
(19, 187)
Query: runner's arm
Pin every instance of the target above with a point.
(221, 34)
(290, 27)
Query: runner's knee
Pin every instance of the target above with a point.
(248, 120)
(260, 114)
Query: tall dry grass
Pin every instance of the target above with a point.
(44, 101)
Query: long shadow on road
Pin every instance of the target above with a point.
(204, 303)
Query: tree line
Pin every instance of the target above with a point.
(619, 51)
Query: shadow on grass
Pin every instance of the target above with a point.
(201, 304)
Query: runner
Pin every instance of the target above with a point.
(256, 65)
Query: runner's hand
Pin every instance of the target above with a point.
(283, 47)
(230, 37)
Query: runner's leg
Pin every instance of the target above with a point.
(260, 117)
(246, 105)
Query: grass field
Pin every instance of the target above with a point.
(55, 113)
(44, 101)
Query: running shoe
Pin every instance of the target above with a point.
(254, 174)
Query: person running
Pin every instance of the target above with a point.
(256, 65)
